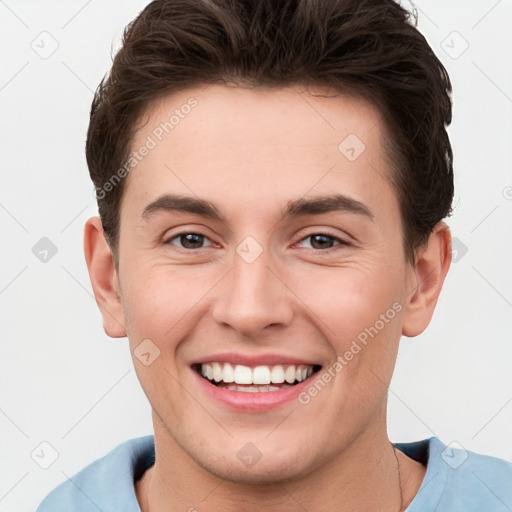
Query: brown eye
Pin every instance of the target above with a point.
(188, 240)
(321, 241)
(324, 241)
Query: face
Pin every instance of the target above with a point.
(255, 270)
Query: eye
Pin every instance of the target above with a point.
(324, 241)
(188, 240)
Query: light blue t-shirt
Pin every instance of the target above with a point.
(456, 480)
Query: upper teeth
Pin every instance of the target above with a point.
(259, 375)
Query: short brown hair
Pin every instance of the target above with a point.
(367, 48)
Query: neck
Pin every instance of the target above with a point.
(364, 476)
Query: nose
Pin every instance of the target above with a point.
(253, 297)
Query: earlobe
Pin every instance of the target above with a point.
(430, 269)
(104, 279)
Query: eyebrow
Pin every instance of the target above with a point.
(296, 208)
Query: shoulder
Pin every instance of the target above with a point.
(106, 484)
(459, 480)
(476, 481)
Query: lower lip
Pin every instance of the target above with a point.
(254, 401)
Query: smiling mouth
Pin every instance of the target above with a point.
(255, 379)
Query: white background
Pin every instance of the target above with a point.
(65, 382)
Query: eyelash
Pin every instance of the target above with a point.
(341, 241)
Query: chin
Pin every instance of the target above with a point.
(261, 468)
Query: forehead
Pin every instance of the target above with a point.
(265, 144)
(258, 114)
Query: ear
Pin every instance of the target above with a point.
(432, 262)
(104, 279)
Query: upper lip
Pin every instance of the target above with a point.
(254, 360)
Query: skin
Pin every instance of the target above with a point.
(250, 151)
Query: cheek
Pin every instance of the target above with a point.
(161, 301)
(359, 311)
(351, 298)
(159, 308)
(366, 344)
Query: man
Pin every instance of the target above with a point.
(272, 179)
